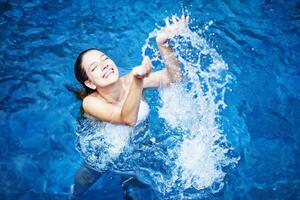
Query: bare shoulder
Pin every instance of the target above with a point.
(89, 102)
(102, 110)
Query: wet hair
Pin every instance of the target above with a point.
(81, 74)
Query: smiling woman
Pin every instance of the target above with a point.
(178, 153)
(118, 100)
(98, 68)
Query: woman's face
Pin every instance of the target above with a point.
(100, 69)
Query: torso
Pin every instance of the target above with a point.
(126, 80)
(142, 114)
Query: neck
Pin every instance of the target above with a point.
(113, 92)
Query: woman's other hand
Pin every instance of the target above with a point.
(170, 29)
(143, 70)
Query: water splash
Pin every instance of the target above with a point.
(188, 155)
(100, 144)
(193, 107)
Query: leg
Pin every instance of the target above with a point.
(85, 177)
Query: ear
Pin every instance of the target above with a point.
(89, 84)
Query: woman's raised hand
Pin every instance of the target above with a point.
(144, 69)
(170, 29)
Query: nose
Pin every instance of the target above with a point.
(105, 67)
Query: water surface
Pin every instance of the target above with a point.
(258, 41)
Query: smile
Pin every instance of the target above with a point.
(108, 73)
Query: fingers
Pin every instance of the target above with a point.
(170, 29)
(174, 20)
(187, 20)
(143, 70)
(148, 64)
(167, 23)
(139, 72)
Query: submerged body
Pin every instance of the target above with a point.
(117, 101)
(104, 141)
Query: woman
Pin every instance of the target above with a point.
(118, 100)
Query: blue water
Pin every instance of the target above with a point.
(259, 41)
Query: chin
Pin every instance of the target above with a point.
(114, 79)
(111, 80)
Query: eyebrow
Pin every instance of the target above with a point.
(103, 55)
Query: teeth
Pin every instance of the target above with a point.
(108, 73)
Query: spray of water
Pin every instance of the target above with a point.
(188, 155)
(193, 107)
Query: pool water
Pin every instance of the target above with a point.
(257, 43)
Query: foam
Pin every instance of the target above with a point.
(193, 107)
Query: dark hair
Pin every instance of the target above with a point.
(81, 75)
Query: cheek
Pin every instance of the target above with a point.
(94, 77)
(113, 64)
(91, 76)
(116, 70)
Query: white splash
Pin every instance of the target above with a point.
(193, 107)
(103, 143)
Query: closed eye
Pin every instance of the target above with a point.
(93, 69)
(103, 56)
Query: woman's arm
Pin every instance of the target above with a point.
(131, 105)
(170, 61)
(171, 73)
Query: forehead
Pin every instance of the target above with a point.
(92, 56)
